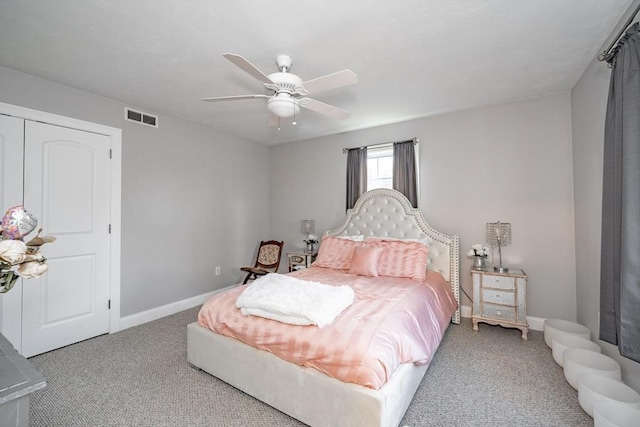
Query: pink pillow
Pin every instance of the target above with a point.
(365, 260)
(402, 259)
(335, 253)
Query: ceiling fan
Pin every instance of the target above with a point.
(289, 91)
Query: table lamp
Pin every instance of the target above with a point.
(499, 234)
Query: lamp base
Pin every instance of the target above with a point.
(501, 269)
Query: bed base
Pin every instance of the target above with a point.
(303, 393)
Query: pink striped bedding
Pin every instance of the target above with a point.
(392, 321)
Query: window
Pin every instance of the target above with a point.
(380, 167)
(389, 166)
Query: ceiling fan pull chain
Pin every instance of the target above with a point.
(294, 111)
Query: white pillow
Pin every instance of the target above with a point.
(421, 240)
(355, 237)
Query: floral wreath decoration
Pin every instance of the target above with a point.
(17, 258)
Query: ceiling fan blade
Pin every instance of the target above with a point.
(331, 81)
(322, 108)
(233, 98)
(248, 67)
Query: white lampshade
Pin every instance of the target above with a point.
(594, 388)
(498, 233)
(283, 105)
(609, 413)
(560, 326)
(307, 226)
(578, 361)
(562, 342)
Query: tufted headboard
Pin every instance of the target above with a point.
(387, 213)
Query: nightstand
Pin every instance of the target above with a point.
(300, 260)
(500, 299)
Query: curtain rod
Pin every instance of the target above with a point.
(606, 54)
(414, 140)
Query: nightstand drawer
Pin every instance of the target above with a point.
(499, 312)
(498, 282)
(499, 297)
(300, 260)
(294, 259)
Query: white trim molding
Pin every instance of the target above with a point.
(115, 138)
(167, 310)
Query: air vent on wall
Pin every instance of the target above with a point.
(140, 117)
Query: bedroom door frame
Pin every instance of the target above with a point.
(11, 328)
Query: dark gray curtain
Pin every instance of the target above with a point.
(356, 175)
(404, 171)
(620, 259)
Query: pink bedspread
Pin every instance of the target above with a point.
(391, 321)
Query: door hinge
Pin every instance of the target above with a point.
(109, 228)
(109, 305)
(110, 153)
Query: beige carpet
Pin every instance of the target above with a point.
(140, 377)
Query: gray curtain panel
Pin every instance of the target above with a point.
(620, 258)
(404, 171)
(356, 175)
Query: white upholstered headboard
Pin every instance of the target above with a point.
(387, 213)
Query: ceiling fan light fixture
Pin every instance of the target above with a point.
(283, 105)
(289, 91)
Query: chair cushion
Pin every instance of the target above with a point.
(269, 254)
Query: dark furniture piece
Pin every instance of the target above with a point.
(268, 260)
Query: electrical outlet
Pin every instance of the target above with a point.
(218, 271)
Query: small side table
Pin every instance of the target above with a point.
(300, 260)
(500, 299)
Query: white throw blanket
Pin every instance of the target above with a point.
(290, 300)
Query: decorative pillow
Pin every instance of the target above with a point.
(402, 259)
(365, 260)
(335, 253)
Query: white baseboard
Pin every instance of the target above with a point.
(535, 323)
(166, 310)
(465, 311)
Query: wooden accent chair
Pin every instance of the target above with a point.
(268, 260)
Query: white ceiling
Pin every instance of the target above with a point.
(413, 58)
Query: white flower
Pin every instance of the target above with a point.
(32, 269)
(478, 250)
(12, 251)
(311, 239)
(35, 256)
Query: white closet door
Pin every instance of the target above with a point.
(11, 147)
(66, 186)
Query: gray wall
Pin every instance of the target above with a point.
(510, 162)
(588, 108)
(192, 198)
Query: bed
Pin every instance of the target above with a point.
(306, 393)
